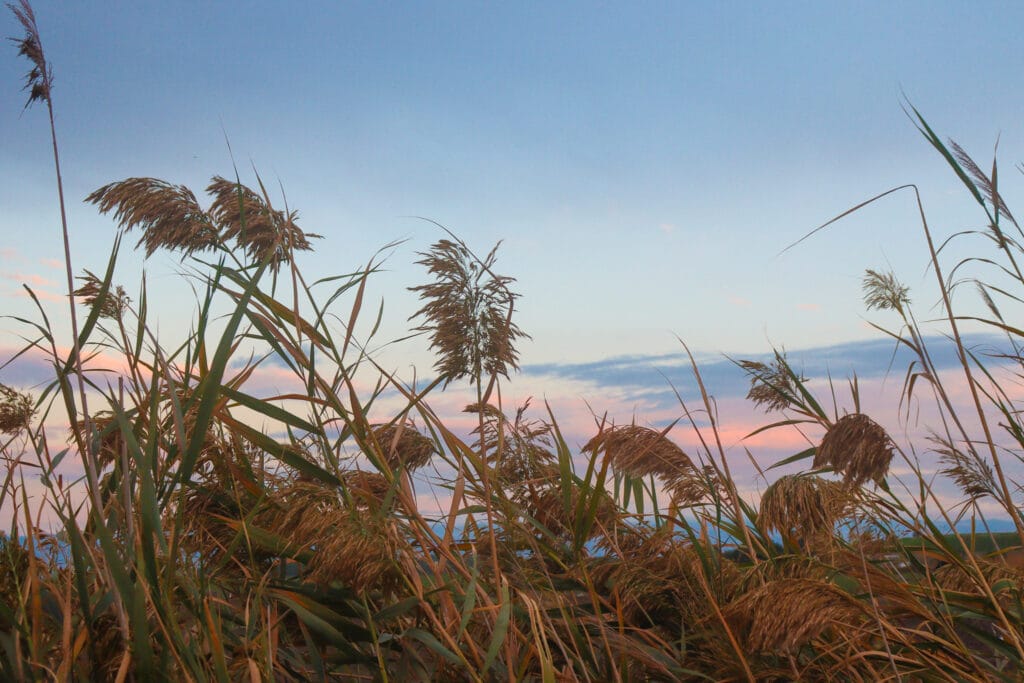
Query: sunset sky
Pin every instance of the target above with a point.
(643, 163)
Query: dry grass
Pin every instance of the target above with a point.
(212, 549)
(856, 447)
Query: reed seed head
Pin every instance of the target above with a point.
(256, 227)
(882, 291)
(169, 216)
(803, 505)
(468, 313)
(787, 614)
(404, 446)
(113, 304)
(972, 474)
(641, 451)
(773, 386)
(16, 410)
(856, 447)
(39, 79)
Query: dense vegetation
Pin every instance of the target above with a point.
(209, 549)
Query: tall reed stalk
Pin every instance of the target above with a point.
(234, 533)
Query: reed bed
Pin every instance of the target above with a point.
(209, 549)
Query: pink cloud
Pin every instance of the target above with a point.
(809, 307)
(52, 263)
(41, 294)
(29, 279)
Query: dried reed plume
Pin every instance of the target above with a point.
(882, 291)
(787, 614)
(803, 505)
(972, 475)
(691, 486)
(656, 578)
(984, 184)
(113, 304)
(641, 451)
(857, 447)
(404, 446)
(543, 499)
(368, 489)
(16, 410)
(348, 545)
(255, 226)
(108, 441)
(170, 218)
(468, 313)
(521, 447)
(773, 386)
(40, 77)
(1000, 574)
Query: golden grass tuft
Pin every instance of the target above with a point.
(113, 304)
(641, 451)
(368, 489)
(690, 486)
(856, 447)
(354, 546)
(657, 579)
(16, 410)
(171, 218)
(168, 215)
(803, 505)
(773, 386)
(1002, 577)
(520, 448)
(468, 313)
(248, 219)
(785, 615)
(404, 446)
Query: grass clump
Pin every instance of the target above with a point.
(207, 548)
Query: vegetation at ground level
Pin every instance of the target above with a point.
(208, 549)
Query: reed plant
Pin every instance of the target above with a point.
(209, 548)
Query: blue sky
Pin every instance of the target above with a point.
(644, 163)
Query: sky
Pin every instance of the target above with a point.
(644, 164)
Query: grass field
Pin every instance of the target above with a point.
(205, 548)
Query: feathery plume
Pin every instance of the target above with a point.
(857, 447)
(773, 386)
(255, 226)
(39, 79)
(16, 410)
(114, 303)
(640, 451)
(404, 446)
(169, 216)
(468, 313)
(882, 292)
(787, 614)
(803, 505)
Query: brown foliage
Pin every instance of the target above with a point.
(856, 447)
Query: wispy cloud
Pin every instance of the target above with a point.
(809, 307)
(56, 264)
(31, 279)
(654, 376)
